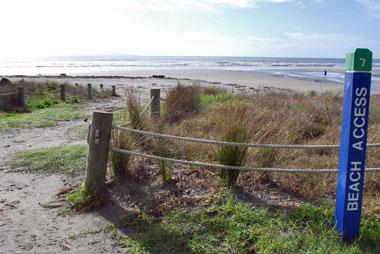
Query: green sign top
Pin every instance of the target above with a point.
(359, 60)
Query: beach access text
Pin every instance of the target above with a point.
(352, 153)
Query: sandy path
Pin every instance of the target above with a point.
(27, 227)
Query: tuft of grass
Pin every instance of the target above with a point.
(165, 168)
(79, 196)
(181, 101)
(120, 140)
(134, 112)
(119, 161)
(207, 100)
(40, 118)
(64, 159)
(235, 129)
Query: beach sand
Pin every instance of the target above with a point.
(233, 81)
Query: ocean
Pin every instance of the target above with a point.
(304, 68)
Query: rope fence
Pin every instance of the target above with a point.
(7, 94)
(220, 166)
(147, 106)
(225, 143)
(217, 142)
(102, 123)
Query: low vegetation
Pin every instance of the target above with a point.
(234, 128)
(232, 226)
(181, 102)
(79, 196)
(64, 160)
(132, 117)
(40, 118)
(44, 107)
(271, 117)
(165, 168)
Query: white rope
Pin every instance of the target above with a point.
(216, 142)
(219, 166)
(6, 94)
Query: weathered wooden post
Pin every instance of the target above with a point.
(76, 89)
(21, 96)
(101, 88)
(353, 143)
(98, 146)
(63, 92)
(114, 91)
(155, 106)
(89, 91)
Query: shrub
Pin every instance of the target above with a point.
(235, 128)
(181, 101)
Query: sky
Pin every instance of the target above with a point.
(274, 28)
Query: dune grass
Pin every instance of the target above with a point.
(215, 99)
(282, 118)
(64, 159)
(40, 118)
(233, 226)
(235, 129)
(181, 101)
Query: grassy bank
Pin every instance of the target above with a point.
(233, 226)
(64, 159)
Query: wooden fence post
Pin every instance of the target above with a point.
(114, 91)
(155, 107)
(76, 89)
(101, 88)
(89, 91)
(63, 92)
(98, 146)
(21, 96)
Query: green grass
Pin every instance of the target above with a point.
(231, 226)
(209, 100)
(41, 117)
(45, 100)
(63, 159)
(78, 196)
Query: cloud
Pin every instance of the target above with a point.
(372, 7)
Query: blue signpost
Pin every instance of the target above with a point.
(353, 143)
